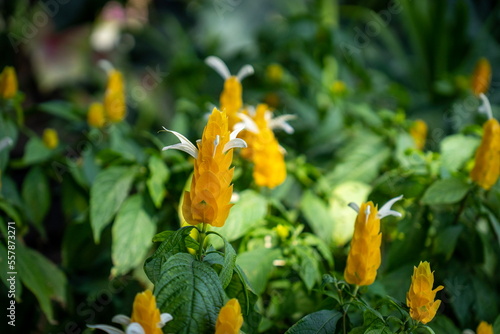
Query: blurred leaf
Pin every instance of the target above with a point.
(191, 291)
(317, 216)
(226, 273)
(309, 268)
(158, 176)
(108, 192)
(132, 233)
(447, 191)
(446, 240)
(61, 109)
(324, 321)
(7, 129)
(36, 196)
(35, 151)
(257, 265)
(456, 150)
(442, 324)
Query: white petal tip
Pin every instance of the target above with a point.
(354, 206)
(219, 66)
(165, 317)
(244, 72)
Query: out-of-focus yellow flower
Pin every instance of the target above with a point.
(8, 83)
(114, 97)
(418, 131)
(272, 100)
(484, 328)
(481, 77)
(50, 138)
(230, 318)
(364, 256)
(263, 148)
(211, 189)
(282, 231)
(96, 116)
(146, 317)
(274, 72)
(487, 162)
(420, 297)
(338, 87)
(231, 100)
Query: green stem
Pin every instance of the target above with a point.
(356, 288)
(201, 240)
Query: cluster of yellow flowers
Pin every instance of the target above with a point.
(114, 108)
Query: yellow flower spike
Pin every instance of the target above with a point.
(338, 87)
(146, 317)
(231, 100)
(484, 328)
(487, 161)
(274, 72)
(114, 97)
(481, 77)
(50, 138)
(282, 231)
(420, 296)
(418, 131)
(95, 115)
(230, 318)
(364, 256)
(8, 83)
(211, 189)
(263, 148)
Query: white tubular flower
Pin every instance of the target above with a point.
(220, 67)
(384, 211)
(280, 122)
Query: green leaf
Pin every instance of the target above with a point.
(174, 243)
(456, 150)
(247, 214)
(158, 176)
(496, 325)
(226, 273)
(42, 278)
(35, 151)
(447, 191)
(61, 109)
(446, 240)
(257, 264)
(36, 196)
(442, 324)
(108, 192)
(324, 321)
(132, 233)
(191, 292)
(317, 216)
(309, 268)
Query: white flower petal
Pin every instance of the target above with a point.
(280, 122)
(244, 72)
(135, 328)
(185, 145)
(234, 143)
(249, 123)
(5, 142)
(121, 319)
(236, 130)
(367, 213)
(485, 107)
(354, 206)
(219, 66)
(108, 329)
(165, 317)
(385, 210)
(216, 143)
(105, 65)
(282, 149)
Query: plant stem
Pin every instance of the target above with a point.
(201, 240)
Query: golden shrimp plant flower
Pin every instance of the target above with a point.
(95, 115)
(211, 189)
(230, 318)
(420, 296)
(145, 319)
(50, 138)
(481, 77)
(231, 100)
(484, 328)
(114, 97)
(418, 131)
(263, 147)
(8, 83)
(364, 257)
(487, 160)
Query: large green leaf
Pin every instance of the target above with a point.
(42, 278)
(191, 291)
(456, 150)
(36, 196)
(317, 216)
(226, 272)
(158, 176)
(257, 265)
(61, 109)
(447, 191)
(132, 233)
(173, 243)
(35, 151)
(324, 321)
(108, 192)
(309, 267)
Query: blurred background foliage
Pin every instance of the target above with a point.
(355, 73)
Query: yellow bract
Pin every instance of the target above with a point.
(264, 151)
(418, 131)
(274, 72)
(230, 318)
(50, 138)
(420, 297)
(211, 189)
(487, 162)
(364, 256)
(114, 98)
(484, 328)
(231, 99)
(8, 83)
(95, 115)
(146, 313)
(481, 77)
